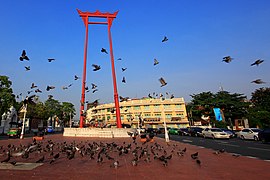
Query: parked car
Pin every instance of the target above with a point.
(183, 131)
(249, 133)
(230, 132)
(152, 130)
(195, 131)
(264, 135)
(215, 133)
(173, 131)
(14, 132)
(49, 129)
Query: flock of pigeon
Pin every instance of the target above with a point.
(133, 152)
(103, 153)
(228, 59)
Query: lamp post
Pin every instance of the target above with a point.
(24, 115)
(109, 17)
(167, 139)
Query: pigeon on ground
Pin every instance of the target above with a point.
(54, 158)
(104, 50)
(96, 67)
(7, 159)
(40, 160)
(164, 39)
(227, 59)
(23, 56)
(258, 81)
(257, 62)
(162, 81)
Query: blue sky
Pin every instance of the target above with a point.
(200, 34)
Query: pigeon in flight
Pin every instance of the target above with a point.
(156, 62)
(93, 86)
(119, 59)
(123, 98)
(49, 88)
(257, 62)
(164, 39)
(258, 81)
(76, 77)
(27, 68)
(64, 87)
(23, 56)
(95, 90)
(33, 86)
(51, 59)
(96, 67)
(162, 81)
(227, 59)
(124, 80)
(28, 92)
(104, 51)
(38, 91)
(29, 100)
(70, 85)
(50, 96)
(123, 69)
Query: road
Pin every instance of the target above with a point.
(248, 148)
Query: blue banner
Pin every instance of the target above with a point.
(218, 114)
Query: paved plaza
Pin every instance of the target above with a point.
(212, 165)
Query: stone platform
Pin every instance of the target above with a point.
(98, 132)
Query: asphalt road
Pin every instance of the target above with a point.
(248, 148)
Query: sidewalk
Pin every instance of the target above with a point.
(213, 166)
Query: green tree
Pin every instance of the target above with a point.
(68, 112)
(7, 98)
(259, 112)
(53, 109)
(233, 105)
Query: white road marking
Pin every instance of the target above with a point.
(259, 148)
(186, 140)
(231, 145)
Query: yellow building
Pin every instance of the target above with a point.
(152, 111)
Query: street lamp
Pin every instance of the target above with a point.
(24, 110)
(164, 123)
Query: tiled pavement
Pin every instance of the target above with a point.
(221, 166)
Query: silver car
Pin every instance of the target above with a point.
(249, 133)
(215, 133)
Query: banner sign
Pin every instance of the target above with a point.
(218, 114)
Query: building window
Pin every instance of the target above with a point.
(108, 118)
(157, 115)
(156, 106)
(147, 115)
(136, 108)
(167, 106)
(178, 106)
(146, 107)
(168, 116)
